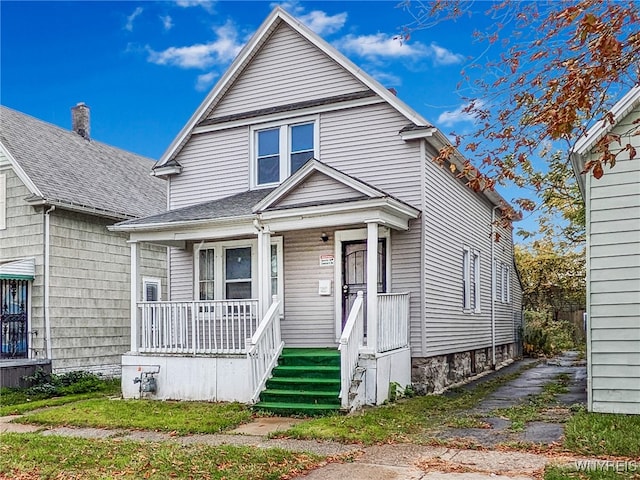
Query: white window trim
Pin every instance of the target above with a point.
(219, 278)
(145, 281)
(466, 279)
(285, 167)
(3, 201)
(476, 279)
(469, 256)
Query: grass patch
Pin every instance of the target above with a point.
(50, 389)
(29, 405)
(407, 419)
(169, 416)
(603, 434)
(553, 472)
(537, 407)
(53, 457)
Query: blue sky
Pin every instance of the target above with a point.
(144, 67)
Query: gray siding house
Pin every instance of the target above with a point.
(296, 166)
(64, 277)
(613, 262)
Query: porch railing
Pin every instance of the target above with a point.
(264, 348)
(350, 343)
(393, 321)
(197, 327)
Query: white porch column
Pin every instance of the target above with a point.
(135, 295)
(372, 286)
(264, 270)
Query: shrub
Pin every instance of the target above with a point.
(545, 336)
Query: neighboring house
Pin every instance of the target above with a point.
(295, 166)
(64, 278)
(613, 262)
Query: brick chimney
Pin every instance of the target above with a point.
(80, 120)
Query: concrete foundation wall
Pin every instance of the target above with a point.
(435, 374)
(223, 379)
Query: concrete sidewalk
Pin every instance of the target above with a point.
(399, 461)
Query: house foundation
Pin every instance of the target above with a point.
(436, 374)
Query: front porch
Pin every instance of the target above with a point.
(223, 351)
(307, 264)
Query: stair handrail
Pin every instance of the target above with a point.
(264, 348)
(350, 343)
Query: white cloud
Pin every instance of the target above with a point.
(136, 13)
(442, 56)
(450, 118)
(380, 45)
(206, 4)
(324, 24)
(317, 20)
(205, 80)
(220, 51)
(387, 79)
(167, 22)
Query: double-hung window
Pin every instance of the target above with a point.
(501, 282)
(470, 280)
(228, 270)
(279, 150)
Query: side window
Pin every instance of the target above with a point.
(471, 280)
(466, 278)
(151, 289)
(206, 274)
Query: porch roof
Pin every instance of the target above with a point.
(239, 214)
(235, 206)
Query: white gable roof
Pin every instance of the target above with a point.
(277, 16)
(585, 143)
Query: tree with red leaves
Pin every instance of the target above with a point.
(561, 68)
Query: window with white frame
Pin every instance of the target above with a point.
(151, 289)
(278, 150)
(228, 270)
(471, 280)
(501, 282)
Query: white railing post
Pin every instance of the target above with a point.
(135, 288)
(372, 286)
(264, 348)
(350, 343)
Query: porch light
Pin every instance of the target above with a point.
(324, 237)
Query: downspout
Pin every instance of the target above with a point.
(493, 288)
(47, 276)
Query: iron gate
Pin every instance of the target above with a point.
(14, 334)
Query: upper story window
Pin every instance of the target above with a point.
(278, 150)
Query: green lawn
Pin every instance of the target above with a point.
(33, 456)
(622, 472)
(604, 434)
(179, 417)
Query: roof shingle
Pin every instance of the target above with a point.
(68, 169)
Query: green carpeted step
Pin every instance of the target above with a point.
(307, 384)
(297, 396)
(306, 371)
(296, 408)
(310, 356)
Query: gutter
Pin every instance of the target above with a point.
(47, 280)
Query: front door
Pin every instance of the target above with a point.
(354, 272)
